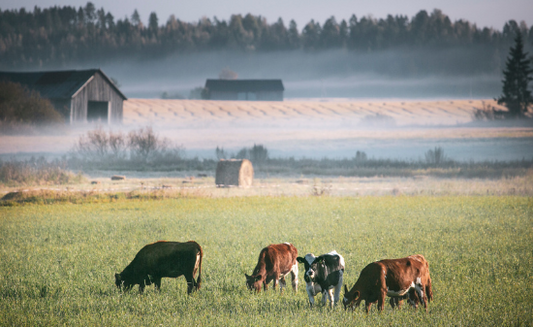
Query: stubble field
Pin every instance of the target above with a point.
(58, 260)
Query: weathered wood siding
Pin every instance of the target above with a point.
(248, 96)
(97, 89)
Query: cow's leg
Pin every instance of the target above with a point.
(141, 287)
(294, 277)
(413, 298)
(381, 300)
(429, 292)
(191, 283)
(329, 294)
(368, 304)
(420, 293)
(157, 283)
(338, 287)
(311, 293)
(282, 283)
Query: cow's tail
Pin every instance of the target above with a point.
(199, 280)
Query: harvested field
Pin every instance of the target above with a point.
(203, 112)
(391, 129)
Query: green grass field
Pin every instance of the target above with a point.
(57, 261)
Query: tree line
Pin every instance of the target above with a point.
(62, 35)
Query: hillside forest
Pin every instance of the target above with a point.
(60, 36)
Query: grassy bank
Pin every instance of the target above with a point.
(58, 261)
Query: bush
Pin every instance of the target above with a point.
(141, 146)
(18, 105)
(436, 157)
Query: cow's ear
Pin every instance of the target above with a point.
(300, 260)
(247, 277)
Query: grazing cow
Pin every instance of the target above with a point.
(397, 278)
(323, 274)
(163, 259)
(412, 297)
(275, 262)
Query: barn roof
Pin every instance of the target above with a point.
(244, 85)
(62, 84)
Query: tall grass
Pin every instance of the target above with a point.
(36, 172)
(58, 261)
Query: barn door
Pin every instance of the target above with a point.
(98, 111)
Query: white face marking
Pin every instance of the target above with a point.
(309, 258)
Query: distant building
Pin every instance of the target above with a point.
(79, 95)
(245, 89)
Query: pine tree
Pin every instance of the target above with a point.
(517, 75)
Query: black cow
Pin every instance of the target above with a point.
(323, 274)
(163, 259)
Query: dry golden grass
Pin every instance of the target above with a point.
(283, 186)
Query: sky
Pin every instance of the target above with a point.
(484, 13)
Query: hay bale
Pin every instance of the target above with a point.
(234, 173)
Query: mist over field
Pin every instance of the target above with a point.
(406, 73)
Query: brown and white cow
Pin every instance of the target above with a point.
(275, 262)
(396, 278)
(163, 259)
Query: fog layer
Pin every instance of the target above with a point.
(408, 73)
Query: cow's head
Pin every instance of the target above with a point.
(254, 282)
(118, 281)
(349, 298)
(122, 281)
(312, 266)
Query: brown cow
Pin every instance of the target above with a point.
(412, 297)
(163, 259)
(396, 278)
(275, 262)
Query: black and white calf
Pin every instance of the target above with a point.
(323, 274)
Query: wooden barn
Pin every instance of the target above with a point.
(79, 95)
(245, 89)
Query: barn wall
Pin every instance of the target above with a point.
(259, 96)
(270, 96)
(98, 89)
(217, 95)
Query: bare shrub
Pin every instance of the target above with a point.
(139, 146)
(258, 154)
(144, 143)
(360, 157)
(220, 153)
(99, 145)
(436, 157)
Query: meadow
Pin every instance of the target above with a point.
(58, 261)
